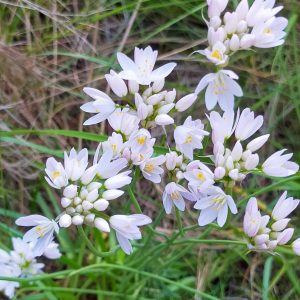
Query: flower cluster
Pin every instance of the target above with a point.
(246, 27)
(267, 232)
(22, 262)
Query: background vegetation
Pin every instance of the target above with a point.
(50, 50)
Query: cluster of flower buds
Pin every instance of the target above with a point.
(152, 105)
(267, 232)
(246, 27)
(22, 262)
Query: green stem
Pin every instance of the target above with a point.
(92, 248)
(179, 222)
(134, 200)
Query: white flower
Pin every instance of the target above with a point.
(200, 177)
(214, 206)
(126, 228)
(114, 144)
(186, 102)
(101, 224)
(175, 194)
(270, 34)
(221, 88)
(65, 220)
(140, 141)
(247, 124)
(216, 7)
(103, 106)
(252, 218)
(284, 207)
(151, 169)
(116, 83)
(217, 54)
(42, 232)
(57, 176)
(278, 165)
(189, 136)
(8, 287)
(285, 236)
(222, 126)
(123, 122)
(76, 163)
(141, 69)
(52, 251)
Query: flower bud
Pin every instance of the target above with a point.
(285, 236)
(77, 220)
(88, 175)
(155, 99)
(272, 245)
(280, 225)
(247, 41)
(231, 21)
(261, 239)
(147, 92)
(94, 186)
(70, 210)
(92, 196)
(257, 143)
(252, 162)
(165, 108)
(116, 83)
(219, 173)
(229, 163)
(112, 194)
(79, 208)
(215, 22)
(87, 205)
(101, 204)
(237, 151)
(117, 181)
(65, 220)
(150, 109)
(158, 85)
(170, 96)
(133, 86)
(70, 191)
(241, 26)
(171, 160)
(142, 111)
(186, 102)
(164, 120)
(102, 225)
(89, 218)
(65, 202)
(234, 174)
(77, 200)
(234, 43)
(296, 247)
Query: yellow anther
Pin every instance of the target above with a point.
(175, 195)
(141, 140)
(55, 174)
(114, 147)
(200, 176)
(216, 54)
(188, 139)
(149, 168)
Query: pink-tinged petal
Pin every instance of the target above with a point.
(168, 203)
(180, 204)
